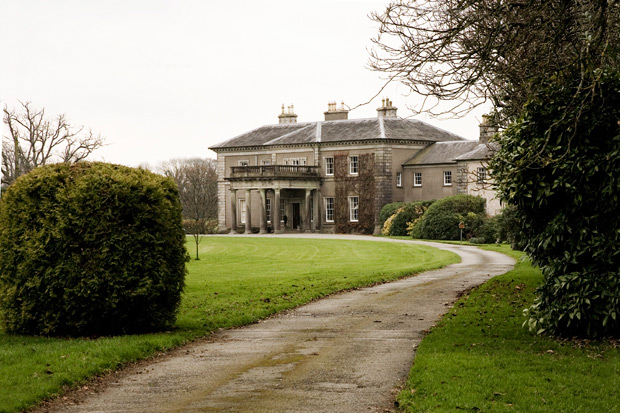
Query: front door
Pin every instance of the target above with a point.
(296, 215)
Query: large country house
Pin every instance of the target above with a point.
(335, 175)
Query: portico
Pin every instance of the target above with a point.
(288, 195)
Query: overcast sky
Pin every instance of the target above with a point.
(162, 79)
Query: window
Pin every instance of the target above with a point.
(329, 166)
(481, 173)
(242, 210)
(265, 163)
(268, 208)
(447, 178)
(295, 161)
(399, 179)
(354, 166)
(244, 163)
(281, 210)
(354, 203)
(302, 161)
(417, 179)
(329, 209)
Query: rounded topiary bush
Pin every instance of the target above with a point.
(90, 249)
(441, 220)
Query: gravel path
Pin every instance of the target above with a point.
(347, 353)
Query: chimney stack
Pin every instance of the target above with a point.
(334, 113)
(486, 129)
(386, 110)
(288, 116)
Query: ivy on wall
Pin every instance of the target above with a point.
(361, 185)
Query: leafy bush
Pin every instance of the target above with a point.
(410, 212)
(441, 220)
(558, 165)
(399, 223)
(387, 226)
(387, 211)
(90, 249)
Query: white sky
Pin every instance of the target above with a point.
(162, 79)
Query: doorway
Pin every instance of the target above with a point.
(296, 215)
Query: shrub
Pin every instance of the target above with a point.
(387, 211)
(90, 249)
(558, 164)
(410, 212)
(387, 226)
(441, 220)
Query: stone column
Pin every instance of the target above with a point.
(316, 225)
(275, 211)
(307, 224)
(248, 211)
(263, 211)
(233, 211)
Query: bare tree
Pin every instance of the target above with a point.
(34, 140)
(472, 51)
(196, 179)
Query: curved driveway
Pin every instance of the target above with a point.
(346, 353)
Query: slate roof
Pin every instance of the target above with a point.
(450, 152)
(339, 131)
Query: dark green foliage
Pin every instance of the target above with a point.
(559, 164)
(90, 249)
(442, 219)
(410, 212)
(502, 227)
(507, 226)
(387, 211)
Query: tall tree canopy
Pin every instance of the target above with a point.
(473, 51)
(551, 69)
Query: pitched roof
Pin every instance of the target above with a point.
(339, 131)
(481, 151)
(450, 152)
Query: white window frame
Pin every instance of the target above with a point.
(329, 166)
(354, 164)
(417, 179)
(481, 174)
(399, 179)
(242, 211)
(329, 212)
(268, 208)
(447, 178)
(282, 210)
(354, 208)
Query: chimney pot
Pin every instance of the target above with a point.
(386, 110)
(287, 117)
(333, 113)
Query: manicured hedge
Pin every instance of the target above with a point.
(90, 249)
(441, 220)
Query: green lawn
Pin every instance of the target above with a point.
(238, 280)
(479, 358)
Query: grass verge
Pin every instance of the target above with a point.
(237, 281)
(479, 358)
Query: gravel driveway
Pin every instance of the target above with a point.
(346, 353)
